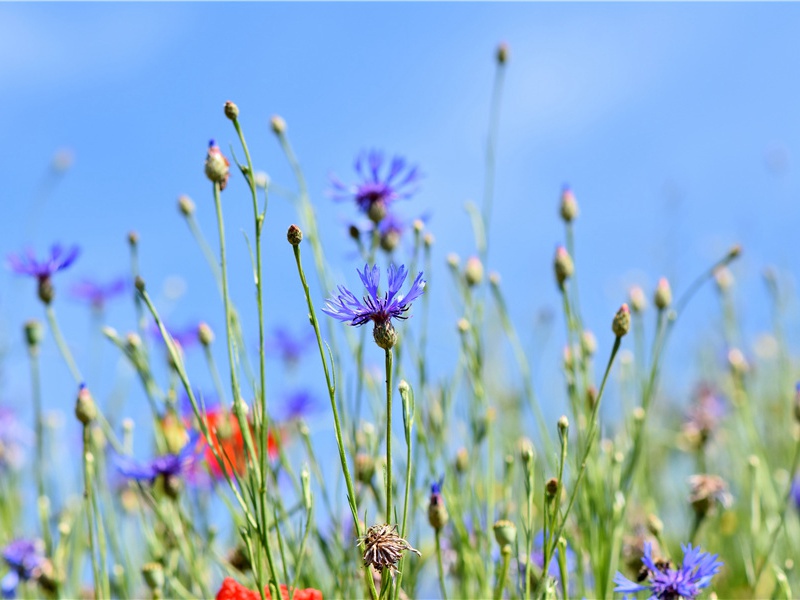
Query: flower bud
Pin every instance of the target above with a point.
(663, 296)
(389, 240)
(637, 299)
(502, 53)
(205, 334)
(655, 525)
(364, 467)
(563, 425)
(294, 235)
(153, 574)
(138, 283)
(133, 238)
(428, 240)
(569, 206)
(385, 335)
(437, 511)
(418, 225)
(526, 451)
(551, 488)
(462, 460)
(734, 252)
(217, 166)
(462, 325)
(563, 266)
(453, 260)
(622, 321)
(46, 290)
(278, 125)
(185, 205)
(473, 271)
(85, 409)
(231, 110)
(724, 279)
(505, 532)
(305, 484)
(588, 343)
(377, 211)
(34, 334)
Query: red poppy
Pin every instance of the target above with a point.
(233, 590)
(227, 438)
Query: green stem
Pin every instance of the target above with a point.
(388, 435)
(491, 145)
(38, 420)
(501, 581)
(87, 495)
(62, 344)
(440, 565)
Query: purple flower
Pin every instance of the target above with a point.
(378, 309)
(553, 570)
(185, 337)
(288, 346)
(296, 404)
(25, 559)
(375, 191)
(97, 294)
(13, 438)
(796, 490)
(26, 264)
(664, 582)
(168, 465)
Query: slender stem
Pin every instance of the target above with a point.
(87, 495)
(38, 421)
(388, 435)
(440, 565)
(491, 144)
(501, 581)
(62, 344)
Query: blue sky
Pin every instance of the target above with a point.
(676, 124)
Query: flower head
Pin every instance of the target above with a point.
(59, 259)
(703, 416)
(217, 166)
(287, 345)
(25, 559)
(667, 583)
(375, 192)
(97, 294)
(383, 547)
(167, 466)
(378, 309)
(233, 590)
(708, 491)
(437, 511)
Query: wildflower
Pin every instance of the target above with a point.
(665, 582)
(796, 490)
(383, 547)
(707, 492)
(59, 259)
(168, 466)
(437, 511)
(375, 193)
(287, 345)
(663, 294)
(97, 294)
(563, 266)
(505, 532)
(569, 206)
(703, 416)
(25, 559)
(622, 321)
(380, 310)
(233, 590)
(184, 337)
(553, 570)
(217, 166)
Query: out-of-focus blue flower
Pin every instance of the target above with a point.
(796, 490)
(664, 582)
(168, 465)
(375, 191)
(553, 570)
(13, 438)
(97, 294)
(25, 263)
(378, 309)
(25, 559)
(186, 337)
(296, 404)
(287, 345)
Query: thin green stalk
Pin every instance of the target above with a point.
(38, 420)
(491, 148)
(440, 565)
(62, 344)
(87, 495)
(501, 581)
(388, 435)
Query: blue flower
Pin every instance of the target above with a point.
(59, 259)
(287, 345)
(168, 465)
(375, 192)
(553, 570)
(97, 294)
(25, 558)
(378, 309)
(664, 582)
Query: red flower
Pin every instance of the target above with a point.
(233, 590)
(227, 438)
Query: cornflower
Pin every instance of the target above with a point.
(378, 309)
(667, 583)
(287, 345)
(97, 294)
(25, 560)
(58, 260)
(168, 466)
(374, 193)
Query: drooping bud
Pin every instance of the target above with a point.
(217, 166)
(185, 205)
(505, 532)
(622, 321)
(85, 409)
(205, 334)
(473, 271)
(502, 53)
(663, 296)
(569, 206)
(231, 110)
(34, 334)
(385, 335)
(278, 125)
(294, 235)
(563, 266)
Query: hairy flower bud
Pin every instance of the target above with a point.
(473, 271)
(569, 206)
(217, 166)
(231, 110)
(185, 205)
(563, 265)
(622, 321)
(663, 296)
(85, 409)
(294, 235)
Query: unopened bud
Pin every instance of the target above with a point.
(418, 225)
(502, 53)
(217, 166)
(569, 206)
(85, 409)
(364, 467)
(551, 488)
(34, 333)
(637, 299)
(462, 460)
(305, 484)
(734, 252)
(622, 321)
(185, 205)
(278, 125)
(385, 335)
(494, 278)
(437, 511)
(294, 235)
(453, 260)
(231, 110)
(526, 452)
(563, 424)
(663, 296)
(588, 343)
(462, 325)
(138, 283)
(505, 532)
(133, 238)
(46, 290)
(473, 271)
(655, 525)
(737, 361)
(563, 265)
(153, 574)
(724, 279)
(205, 334)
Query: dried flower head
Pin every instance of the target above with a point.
(383, 547)
(706, 492)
